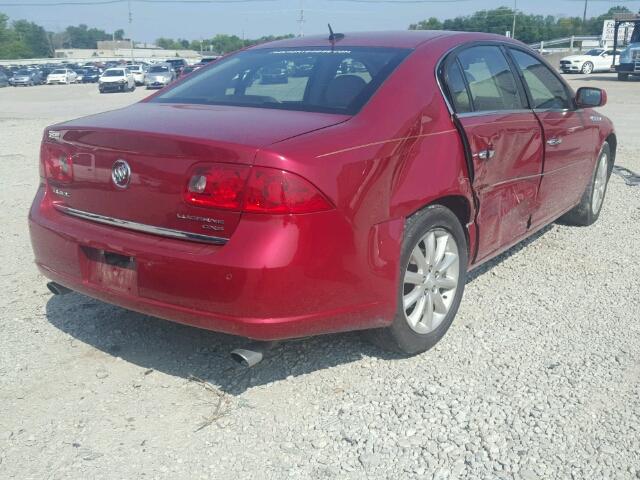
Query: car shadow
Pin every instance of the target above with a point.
(601, 78)
(188, 352)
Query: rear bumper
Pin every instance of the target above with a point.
(276, 278)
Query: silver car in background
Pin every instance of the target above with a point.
(159, 75)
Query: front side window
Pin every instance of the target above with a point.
(491, 81)
(545, 88)
(317, 79)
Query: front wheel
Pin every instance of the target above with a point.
(587, 68)
(432, 278)
(588, 210)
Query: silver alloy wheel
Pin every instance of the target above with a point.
(430, 280)
(587, 68)
(599, 184)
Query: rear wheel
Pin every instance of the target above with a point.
(587, 68)
(432, 278)
(588, 210)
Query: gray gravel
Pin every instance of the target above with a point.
(538, 378)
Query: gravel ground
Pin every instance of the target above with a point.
(539, 376)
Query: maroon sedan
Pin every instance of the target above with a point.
(355, 195)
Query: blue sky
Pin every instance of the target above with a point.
(258, 18)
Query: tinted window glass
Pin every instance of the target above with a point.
(457, 88)
(547, 91)
(491, 82)
(310, 79)
(158, 69)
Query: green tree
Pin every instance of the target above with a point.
(118, 34)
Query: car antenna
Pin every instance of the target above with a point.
(334, 37)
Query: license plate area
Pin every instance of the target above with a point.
(110, 270)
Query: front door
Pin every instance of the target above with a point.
(505, 139)
(569, 158)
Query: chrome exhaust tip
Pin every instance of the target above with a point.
(58, 289)
(252, 354)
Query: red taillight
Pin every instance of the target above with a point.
(56, 163)
(217, 186)
(276, 191)
(252, 189)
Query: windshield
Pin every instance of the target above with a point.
(595, 52)
(113, 73)
(158, 69)
(312, 79)
(23, 72)
(59, 72)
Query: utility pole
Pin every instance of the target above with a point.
(515, 12)
(584, 14)
(130, 33)
(301, 19)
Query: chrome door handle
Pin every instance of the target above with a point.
(486, 154)
(554, 141)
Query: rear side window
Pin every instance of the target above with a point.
(457, 88)
(491, 81)
(546, 90)
(314, 79)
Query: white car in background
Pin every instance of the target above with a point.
(62, 75)
(138, 72)
(596, 60)
(117, 79)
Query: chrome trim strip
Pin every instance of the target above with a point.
(481, 113)
(140, 227)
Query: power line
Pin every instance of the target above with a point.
(111, 2)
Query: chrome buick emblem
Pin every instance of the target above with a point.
(121, 173)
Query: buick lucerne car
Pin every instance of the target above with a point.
(345, 199)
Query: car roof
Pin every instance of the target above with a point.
(392, 39)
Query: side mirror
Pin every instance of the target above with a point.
(589, 97)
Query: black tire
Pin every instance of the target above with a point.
(583, 214)
(399, 336)
(623, 77)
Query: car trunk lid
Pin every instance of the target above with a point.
(161, 143)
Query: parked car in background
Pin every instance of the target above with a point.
(159, 75)
(26, 78)
(595, 60)
(138, 72)
(177, 64)
(360, 201)
(91, 75)
(208, 59)
(117, 79)
(4, 80)
(188, 69)
(62, 75)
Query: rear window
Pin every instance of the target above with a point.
(158, 69)
(59, 72)
(307, 79)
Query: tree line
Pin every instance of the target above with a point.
(529, 28)
(24, 39)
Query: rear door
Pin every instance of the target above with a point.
(568, 138)
(505, 142)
